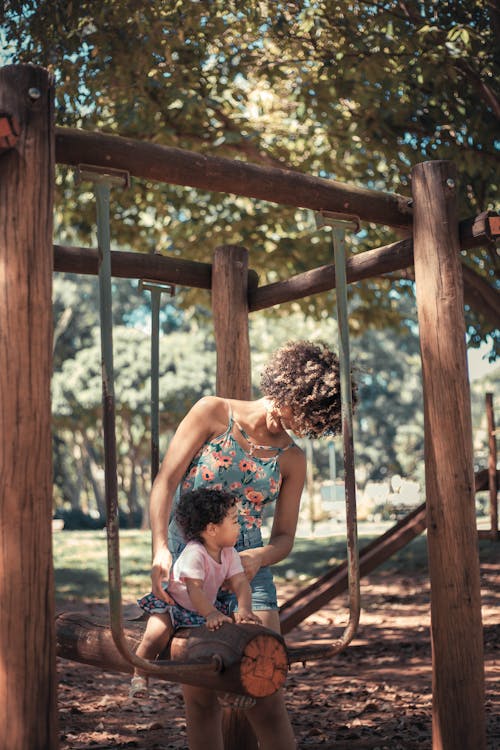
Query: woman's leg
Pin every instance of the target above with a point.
(269, 717)
(203, 719)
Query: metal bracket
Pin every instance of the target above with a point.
(336, 219)
(108, 175)
(151, 285)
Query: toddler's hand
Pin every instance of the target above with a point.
(215, 619)
(247, 616)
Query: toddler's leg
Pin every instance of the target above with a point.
(159, 630)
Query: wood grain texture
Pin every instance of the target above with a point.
(456, 628)
(230, 314)
(27, 637)
(180, 167)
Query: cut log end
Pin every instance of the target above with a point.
(264, 666)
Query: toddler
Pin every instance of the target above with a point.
(208, 519)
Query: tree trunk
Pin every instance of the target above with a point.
(28, 718)
(456, 629)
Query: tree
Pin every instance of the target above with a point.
(187, 371)
(356, 91)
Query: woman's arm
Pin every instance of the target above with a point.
(203, 421)
(293, 469)
(240, 586)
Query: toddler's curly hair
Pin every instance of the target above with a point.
(306, 377)
(197, 508)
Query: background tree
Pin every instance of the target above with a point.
(352, 90)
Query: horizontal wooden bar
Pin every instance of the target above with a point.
(362, 266)
(180, 167)
(473, 232)
(130, 265)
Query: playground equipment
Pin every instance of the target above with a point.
(28, 709)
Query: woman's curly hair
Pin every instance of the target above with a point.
(305, 376)
(197, 508)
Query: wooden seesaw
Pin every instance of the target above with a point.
(245, 659)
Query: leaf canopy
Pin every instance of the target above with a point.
(356, 91)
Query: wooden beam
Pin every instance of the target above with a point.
(230, 315)
(456, 628)
(129, 265)
(28, 710)
(362, 266)
(179, 167)
(397, 256)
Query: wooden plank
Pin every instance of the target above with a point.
(180, 167)
(456, 628)
(230, 315)
(28, 711)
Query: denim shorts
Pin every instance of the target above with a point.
(263, 589)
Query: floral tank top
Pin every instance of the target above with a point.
(223, 464)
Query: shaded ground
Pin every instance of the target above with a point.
(377, 694)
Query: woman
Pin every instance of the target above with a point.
(244, 447)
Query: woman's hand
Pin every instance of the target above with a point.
(244, 615)
(251, 559)
(160, 571)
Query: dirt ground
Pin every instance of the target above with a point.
(376, 694)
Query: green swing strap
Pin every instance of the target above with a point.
(340, 223)
(156, 288)
(103, 181)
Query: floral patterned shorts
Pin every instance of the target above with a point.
(180, 616)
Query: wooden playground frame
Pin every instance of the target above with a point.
(29, 148)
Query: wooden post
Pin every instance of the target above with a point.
(456, 628)
(27, 634)
(492, 466)
(230, 312)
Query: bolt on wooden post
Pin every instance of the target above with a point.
(27, 633)
(458, 716)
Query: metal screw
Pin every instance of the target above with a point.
(450, 182)
(34, 94)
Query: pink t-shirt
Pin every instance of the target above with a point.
(195, 562)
